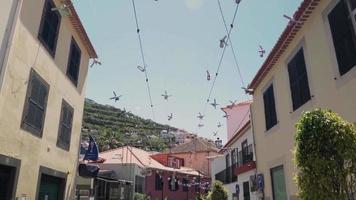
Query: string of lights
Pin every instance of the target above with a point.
(143, 59)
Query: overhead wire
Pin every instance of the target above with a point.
(220, 59)
(231, 44)
(143, 59)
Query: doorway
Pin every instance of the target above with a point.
(51, 188)
(7, 180)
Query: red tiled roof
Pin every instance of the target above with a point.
(289, 33)
(78, 26)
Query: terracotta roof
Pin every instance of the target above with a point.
(78, 26)
(132, 155)
(195, 145)
(289, 33)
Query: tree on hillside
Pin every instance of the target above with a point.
(325, 155)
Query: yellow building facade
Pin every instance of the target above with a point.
(313, 65)
(42, 91)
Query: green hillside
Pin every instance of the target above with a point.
(113, 127)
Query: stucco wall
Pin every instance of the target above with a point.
(238, 116)
(7, 15)
(327, 88)
(26, 53)
(197, 160)
(5, 10)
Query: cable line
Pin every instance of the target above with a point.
(221, 58)
(143, 59)
(230, 41)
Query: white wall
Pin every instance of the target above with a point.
(218, 165)
(7, 10)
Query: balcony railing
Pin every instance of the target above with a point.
(243, 163)
(245, 156)
(227, 175)
(245, 160)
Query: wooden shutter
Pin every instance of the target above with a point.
(49, 27)
(343, 36)
(35, 105)
(65, 126)
(74, 62)
(298, 80)
(270, 108)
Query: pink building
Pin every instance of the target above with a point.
(238, 115)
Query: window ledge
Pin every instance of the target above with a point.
(29, 129)
(273, 129)
(341, 80)
(305, 107)
(63, 147)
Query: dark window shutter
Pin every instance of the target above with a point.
(343, 35)
(35, 104)
(270, 108)
(49, 28)
(298, 80)
(65, 126)
(74, 62)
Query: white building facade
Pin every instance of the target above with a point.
(236, 167)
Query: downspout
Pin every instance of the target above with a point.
(254, 143)
(8, 37)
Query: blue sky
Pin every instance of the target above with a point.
(181, 41)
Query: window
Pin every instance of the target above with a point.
(49, 28)
(342, 24)
(173, 183)
(158, 182)
(139, 181)
(227, 160)
(233, 157)
(35, 105)
(298, 80)
(270, 108)
(278, 183)
(245, 152)
(185, 185)
(65, 126)
(74, 62)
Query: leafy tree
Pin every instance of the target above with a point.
(326, 156)
(218, 192)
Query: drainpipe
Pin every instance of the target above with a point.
(9, 35)
(254, 143)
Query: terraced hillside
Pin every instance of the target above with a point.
(113, 127)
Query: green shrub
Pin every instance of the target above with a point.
(139, 196)
(218, 192)
(325, 155)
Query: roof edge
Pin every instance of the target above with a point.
(238, 134)
(78, 26)
(302, 14)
